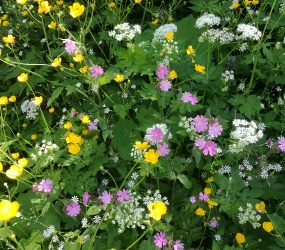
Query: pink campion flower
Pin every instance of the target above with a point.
(200, 123)
(92, 125)
(200, 143)
(281, 144)
(45, 185)
(210, 148)
(203, 196)
(162, 71)
(106, 197)
(73, 209)
(192, 199)
(160, 240)
(85, 198)
(177, 245)
(165, 85)
(96, 70)
(163, 149)
(70, 46)
(123, 195)
(213, 223)
(188, 97)
(156, 135)
(215, 129)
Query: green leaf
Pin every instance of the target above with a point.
(54, 95)
(251, 106)
(93, 210)
(184, 180)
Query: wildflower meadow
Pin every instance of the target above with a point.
(142, 124)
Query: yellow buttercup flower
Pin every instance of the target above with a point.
(74, 148)
(267, 226)
(76, 10)
(200, 212)
(169, 35)
(255, 2)
(59, 2)
(1, 166)
(170, 18)
(8, 210)
(52, 25)
(83, 70)
(24, 125)
(4, 17)
(200, 68)
(172, 74)
(246, 2)
(5, 23)
(23, 77)
(51, 110)
(111, 5)
(67, 125)
(151, 156)
(85, 131)
(210, 179)
(38, 100)
(207, 190)
(8, 39)
(55, 7)
(4, 100)
(235, 5)
(21, 1)
(14, 172)
(138, 1)
(190, 51)
(44, 7)
(15, 155)
(33, 137)
(85, 119)
(73, 138)
(260, 206)
(157, 209)
(119, 78)
(155, 22)
(25, 13)
(12, 98)
(142, 146)
(240, 238)
(23, 162)
(212, 204)
(78, 58)
(56, 62)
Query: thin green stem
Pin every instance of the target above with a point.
(142, 235)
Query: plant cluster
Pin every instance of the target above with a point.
(142, 124)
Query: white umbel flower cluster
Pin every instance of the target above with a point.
(222, 36)
(207, 19)
(124, 31)
(163, 29)
(246, 133)
(228, 75)
(249, 215)
(30, 109)
(248, 32)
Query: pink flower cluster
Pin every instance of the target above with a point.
(213, 129)
(96, 70)
(70, 46)
(202, 197)
(160, 241)
(162, 73)
(45, 185)
(188, 97)
(122, 195)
